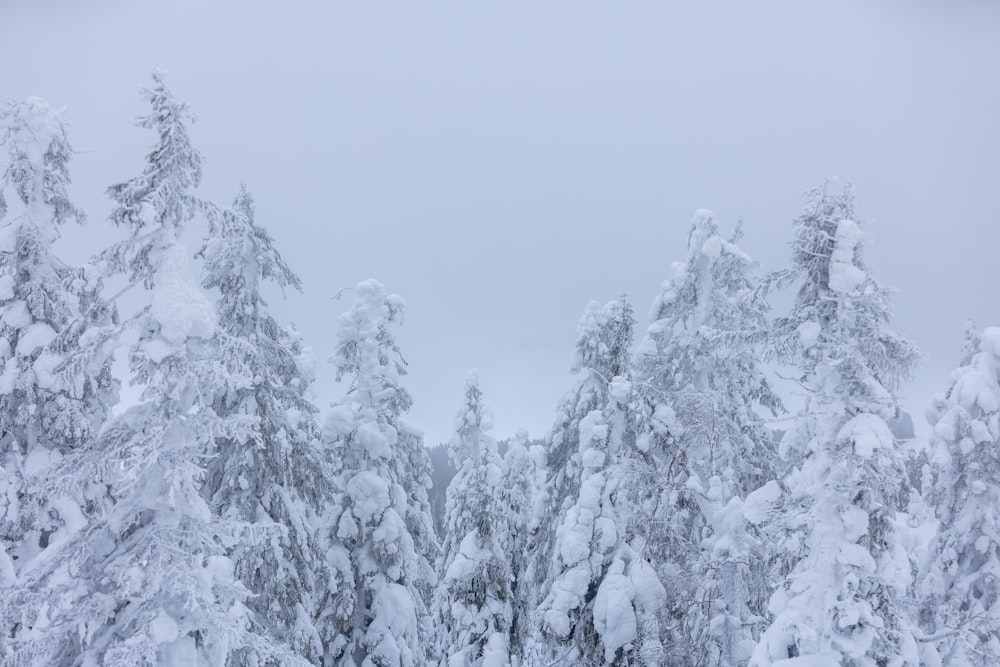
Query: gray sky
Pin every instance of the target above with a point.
(500, 164)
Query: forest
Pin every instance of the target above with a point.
(223, 518)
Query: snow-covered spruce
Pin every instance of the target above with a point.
(143, 578)
(842, 601)
(275, 474)
(961, 590)
(43, 413)
(381, 532)
(701, 388)
(473, 604)
(600, 597)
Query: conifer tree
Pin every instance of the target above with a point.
(144, 580)
(961, 590)
(382, 538)
(474, 600)
(277, 474)
(701, 386)
(600, 596)
(43, 414)
(841, 602)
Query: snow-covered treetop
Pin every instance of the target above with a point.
(840, 312)
(239, 255)
(603, 338)
(471, 424)
(368, 354)
(38, 149)
(155, 205)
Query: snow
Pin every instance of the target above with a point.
(163, 628)
(808, 334)
(614, 616)
(369, 495)
(845, 277)
(759, 504)
(178, 305)
(6, 287)
(868, 433)
(16, 315)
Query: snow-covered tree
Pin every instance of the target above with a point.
(474, 599)
(701, 385)
(140, 576)
(43, 414)
(382, 537)
(961, 591)
(848, 575)
(276, 475)
(600, 596)
(522, 497)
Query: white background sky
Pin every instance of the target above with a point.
(498, 164)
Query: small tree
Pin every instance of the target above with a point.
(961, 590)
(474, 601)
(841, 602)
(381, 526)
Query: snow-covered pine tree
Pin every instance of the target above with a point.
(144, 580)
(42, 416)
(522, 497)
(382, 536)
(698, 366)
(961, 590)
(847, 573)
(600, 596)
(277, 475)
(474, 599)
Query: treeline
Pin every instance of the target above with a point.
(222, 520)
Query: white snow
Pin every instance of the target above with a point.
(163, 628)
(759, 504)
(845, 277)
(178, 305)
(369, 494)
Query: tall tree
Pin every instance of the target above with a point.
(382, 533)
(701, 387)
(145, 580)
(600, 596)
(848, 575)
(961, 590)
(474, 601)
(275, 475)
(43, 414)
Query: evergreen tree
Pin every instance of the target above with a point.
(600, 596)
(43, 414)
(474, 600)
(521, 497)
(847, 573)
(276, 475)
(700, 386)
(382, 532)
(143, 579)
(961, 591)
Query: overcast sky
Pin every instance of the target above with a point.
(499, 164)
